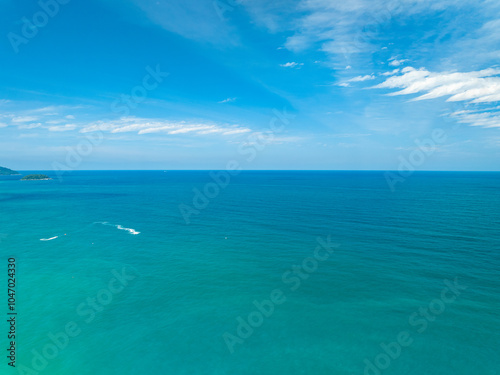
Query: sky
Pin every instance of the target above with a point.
(284, 84)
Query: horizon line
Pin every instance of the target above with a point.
(247, 170)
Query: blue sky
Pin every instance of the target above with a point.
(146, 84)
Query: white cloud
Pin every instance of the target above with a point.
(338, 26)
(390, 73)
(3, 125)
(24, 119)
(147, 126)
(477, 87)
(485, 119)
(30, 126)
(63, 128)
(395, 62)
(356, 79)
(235, 131)
(228, 100)
(345, 29)
(54, 122)
(362, 78)
(189, 129)
(292, 64)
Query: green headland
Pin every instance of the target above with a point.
(7, 172)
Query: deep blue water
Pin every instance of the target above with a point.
(191, 285)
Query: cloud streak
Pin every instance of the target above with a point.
(147, 126)
(485, 119)
(292, 64)
(21, 119)
(228, 100)
(477, 87)
(474, 88)
(395, 62)
(362, 78)
(63, 128)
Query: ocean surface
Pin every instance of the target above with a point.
(266, 273)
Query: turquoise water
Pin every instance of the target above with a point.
(190, 286)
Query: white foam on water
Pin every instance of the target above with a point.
(49, 239)
(130, 230)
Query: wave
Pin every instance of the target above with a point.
(130, 230)
(49, 239)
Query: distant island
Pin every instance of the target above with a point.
(38, 177)
(8, 172)
(31, 177)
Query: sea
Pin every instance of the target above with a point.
(250, 273)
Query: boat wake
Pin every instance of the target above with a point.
(49, 239)
(130, 230)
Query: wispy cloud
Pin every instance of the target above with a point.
(22, 115)
(391, 73)
(228, 100)
(147, 126)
(30, 126)
(393, 61)
(21, 119)
(477, 87)
(485, 119)
(474, 88)
(368, 77)
(362, 78)
(345, 29)
(292, 64)
(63, 128)
(55, 122)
